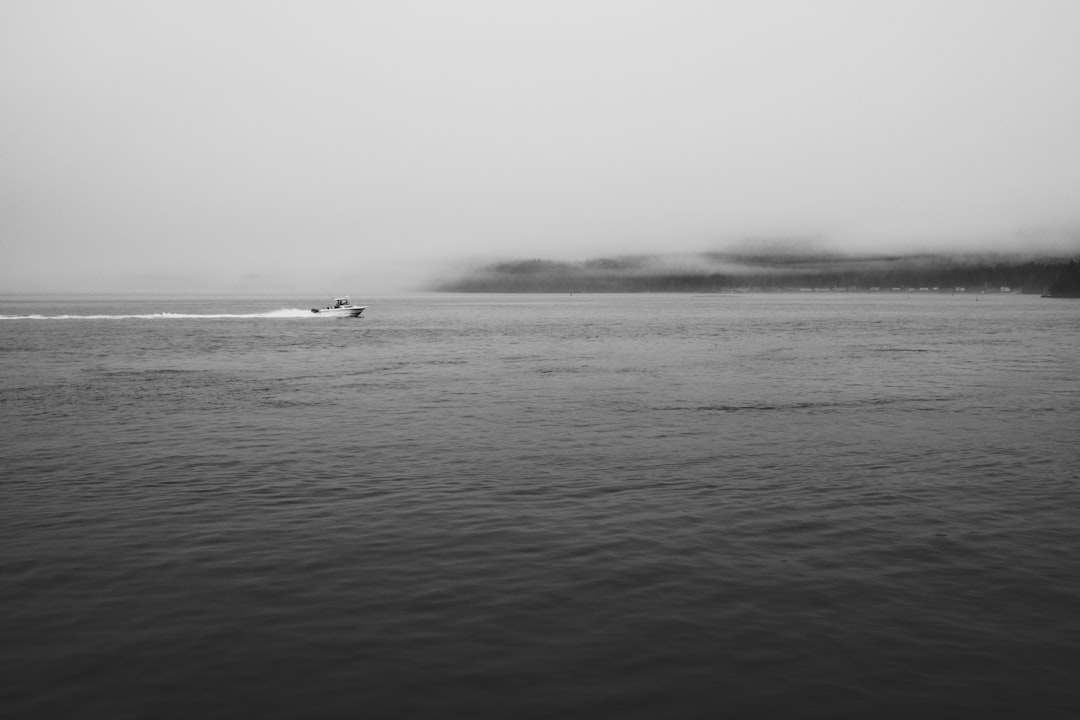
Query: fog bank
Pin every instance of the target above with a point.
(236, 145)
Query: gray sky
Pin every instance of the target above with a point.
(356, 146)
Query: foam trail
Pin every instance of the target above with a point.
(283, 313)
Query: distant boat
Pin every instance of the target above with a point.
(341, 308)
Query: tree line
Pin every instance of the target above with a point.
(1054, 277)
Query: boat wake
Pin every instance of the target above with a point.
(284, 313)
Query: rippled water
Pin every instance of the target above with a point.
(541, 506)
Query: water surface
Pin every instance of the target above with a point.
(538, 506)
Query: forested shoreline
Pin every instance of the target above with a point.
(724, 272)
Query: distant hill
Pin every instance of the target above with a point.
(776, 272)
(1067, 283)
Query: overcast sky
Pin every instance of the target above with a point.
(354, 146)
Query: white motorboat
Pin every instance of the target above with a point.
(341, 308)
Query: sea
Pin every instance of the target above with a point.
(799, 505)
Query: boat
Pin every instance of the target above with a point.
(341, 308)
